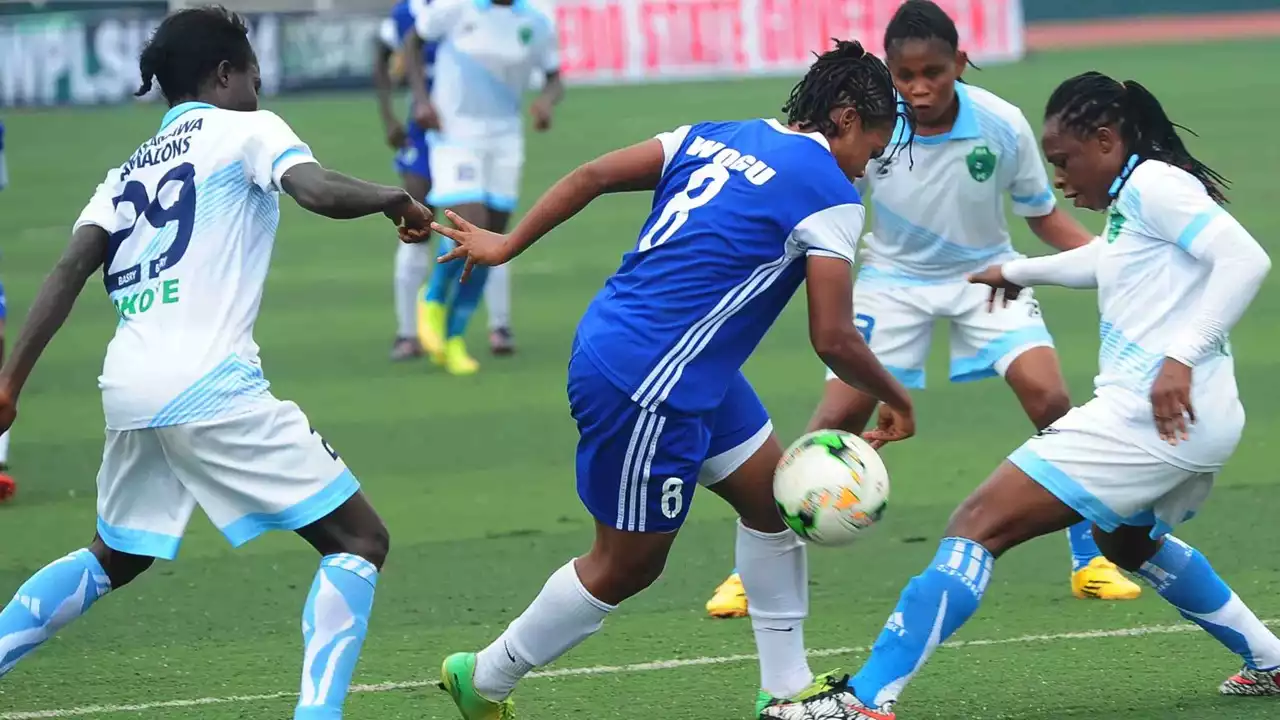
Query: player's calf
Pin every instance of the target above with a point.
(121, 568)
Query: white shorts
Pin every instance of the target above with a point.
(483, 171)
(897, 322)
(1088, 460)
(264, 470)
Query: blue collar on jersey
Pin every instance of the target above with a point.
(178, 110)
(965, 127)
(1123, 176)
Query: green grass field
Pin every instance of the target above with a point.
(474, 476)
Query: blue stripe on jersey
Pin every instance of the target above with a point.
(916, 239)
(231, 380)
(715, 263)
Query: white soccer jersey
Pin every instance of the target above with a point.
(938, 210)
(1150, 281)
(488, 54)
(192, 216)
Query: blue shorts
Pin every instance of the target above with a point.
(4, 304)
(415, 157)
(637, 468)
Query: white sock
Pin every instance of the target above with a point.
(4, 448)
(412, 264)
(775, 573)
(497, 297)
(562, 616)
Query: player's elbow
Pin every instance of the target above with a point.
(832, 342)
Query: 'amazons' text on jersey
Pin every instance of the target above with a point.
(192, 218)
(739, 206)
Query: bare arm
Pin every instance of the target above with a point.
(638, 167)
(342, 197)
(1059, 230)
(382, 84)
(829, 284)
(415, 72)
(553, 90)
(83, 256)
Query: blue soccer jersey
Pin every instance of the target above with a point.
(655, 381)
(739, 206)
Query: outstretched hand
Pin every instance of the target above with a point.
(1001, 289)
(475, 244)
(891, 426)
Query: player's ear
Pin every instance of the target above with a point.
(1107, 139)
(223, 74)
(962, 62)
(846, 120)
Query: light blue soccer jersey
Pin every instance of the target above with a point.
(938, 213)
(739, 207)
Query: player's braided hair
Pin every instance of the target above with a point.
(921, 20)
(847, 76)
(1090, 101)
(187, 48)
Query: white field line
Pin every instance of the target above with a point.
(89, 710)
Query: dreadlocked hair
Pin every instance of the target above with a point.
(187, 48)
(846, 76)
(1090, 101)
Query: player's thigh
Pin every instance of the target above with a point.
(265, 469)
(741, 457)
(1089, 461)
(457, 174)
(985, 340)
(143, 507)
(413, 162)
(897, 323)
(504, 165)
(636, 468)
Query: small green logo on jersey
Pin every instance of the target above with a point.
(526, 34)
(1115, 223)
(982, 163)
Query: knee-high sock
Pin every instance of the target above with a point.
(1184, 577)
(775, 573)
(412, 263)
(932, 607)
(1083, 547)
(59, 593)
(444, 276)
(334, 623)
(465, 302)
(497, 297)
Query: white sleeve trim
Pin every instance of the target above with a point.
(671, 142)
(832, 232)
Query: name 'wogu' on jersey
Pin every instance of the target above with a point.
(192, 216)
(739, 206)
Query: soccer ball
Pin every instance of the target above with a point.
(830, 487)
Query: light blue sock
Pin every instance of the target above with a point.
(53, 597)
(466, 301)
(932, 607)
(1183, 576)
(1083, 547)
(444, 276)
(334, 623)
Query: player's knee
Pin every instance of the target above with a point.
(372, 543)
(1129, 548)
(1048, 405)
(120, 567)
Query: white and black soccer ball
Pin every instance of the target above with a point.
(831, 486)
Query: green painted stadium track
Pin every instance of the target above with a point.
(475, 475)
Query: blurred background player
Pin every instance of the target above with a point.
(1174, 274)
(183, 233)
(412, 161)
(937, 217)
(743, 214)
(7, 484)
(488, 53)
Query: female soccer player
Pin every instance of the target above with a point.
(935, 220)
(412, 161)
(743, 213)
(488, 51)
(1174, 274)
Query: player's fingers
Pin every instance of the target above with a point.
(459, 222)
(453, 254)
(466, 269)
(1191, 413)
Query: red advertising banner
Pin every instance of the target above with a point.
(605, 41)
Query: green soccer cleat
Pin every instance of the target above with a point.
(822, 683)
(457, 677)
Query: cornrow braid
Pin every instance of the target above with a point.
(187, 48)
(1093, 100)
(847, 76)
(922, 20)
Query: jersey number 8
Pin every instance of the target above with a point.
(710, 179)
(182, 211)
